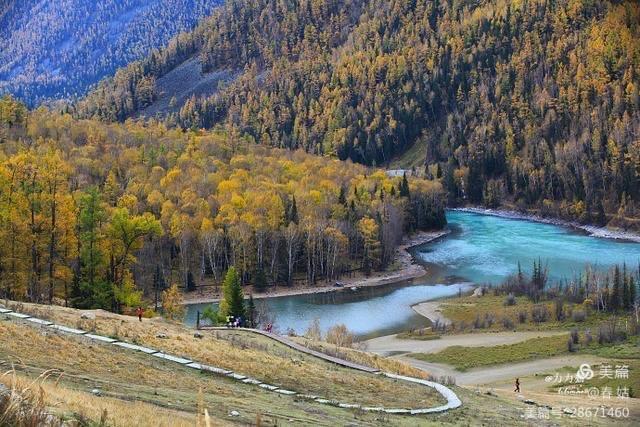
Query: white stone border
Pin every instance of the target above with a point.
(452, 399)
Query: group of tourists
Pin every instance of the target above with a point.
(234, 322)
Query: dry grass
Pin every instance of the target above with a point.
(34, 403)
(126, 379)
(363, 358)
(256, 356)
(22, 403)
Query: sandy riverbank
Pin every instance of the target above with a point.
(407, 269)
(431, 310)
(595, 231)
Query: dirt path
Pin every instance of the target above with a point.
(389, 345)
(498, 373)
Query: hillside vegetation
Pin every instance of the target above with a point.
(531, 102)
(94, 213)
(55, 49)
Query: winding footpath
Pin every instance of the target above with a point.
(452, 399)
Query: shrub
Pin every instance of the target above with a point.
(587, 337)
(172, 306)
(479, 323)
(507, 323)
(340, 336)
(579, 316)
(575, 337)
(314, 332)
(510, 300)
(489, 320)
(210, 314)
(559, 308)
(608, 333)
(522, 316)
(539, 313)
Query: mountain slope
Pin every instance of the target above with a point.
(532, 102)
(56, 49)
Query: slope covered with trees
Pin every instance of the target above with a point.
(57, 49)
(95, 213)
(533, 102)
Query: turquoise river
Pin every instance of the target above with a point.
(480, 249)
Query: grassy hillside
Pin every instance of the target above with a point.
(133, 386)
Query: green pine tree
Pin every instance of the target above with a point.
(232, 303)
(614, 300)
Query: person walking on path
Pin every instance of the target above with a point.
(517, 390)
(139, 312)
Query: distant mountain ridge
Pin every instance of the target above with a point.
(52, 49)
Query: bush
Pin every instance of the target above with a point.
(507, 323)
(575, 337)
(539, 314)
(172, 306)
(340, 336)
(559, 309)
(314, 333)
(489, 320)
(210, 314)
(510, 300)
(579, 316)
(587, 337)
(608, 333)
(522, 316)
(478, 323)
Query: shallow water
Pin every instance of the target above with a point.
(486, 249)
(480, 249)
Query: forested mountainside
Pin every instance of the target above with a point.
(534, 102)
(93, 212)
(58, 48)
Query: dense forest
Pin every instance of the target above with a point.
(532, 103)
(94, 213)
(55, 49)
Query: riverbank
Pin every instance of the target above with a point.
(592, 230)
(406, 269)
(431, 310)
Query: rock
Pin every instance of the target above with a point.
(96, 392)
(89, 316)
(234, 414)
(198, 335)
(477, 292)
(162, 335)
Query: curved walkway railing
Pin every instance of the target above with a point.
(452, 399)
